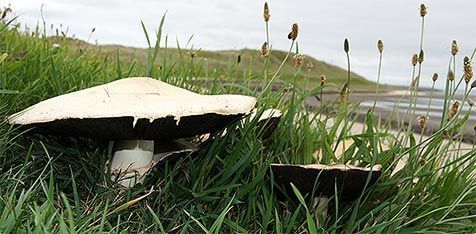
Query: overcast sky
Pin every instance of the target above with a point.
(219, 25)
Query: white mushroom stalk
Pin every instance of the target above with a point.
(135, 113)
(131, 161)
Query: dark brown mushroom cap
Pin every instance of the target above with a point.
(349, 180)
(133, 108)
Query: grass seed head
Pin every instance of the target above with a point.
(266, 14)
(454, 48)
(414, 59)
(346, 45)
(294, 32)
(423, 10)
(298, 60)
(421, 57)
(435, 77)
(323, 79)
(422, 120)
(451, 75)
(453, 110)
(5, 12)
(309, 65)
(343, 92)
(446, 135)
(265, 49)
(380, 46)
(468, 69)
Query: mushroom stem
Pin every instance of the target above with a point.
(131, 161)
(321, 203)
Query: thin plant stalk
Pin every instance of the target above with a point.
(346, 118)
(428, 110)
(378, 80)
(277, 70)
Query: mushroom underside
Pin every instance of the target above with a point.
(123, 128)
(267, 127)
(349, 183)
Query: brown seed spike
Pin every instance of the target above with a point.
(343, 92)
(266, 14)
(309, 66)
(265, 50)
(414, 59)
(453, 110)
(380, 46)
(468, 69)
(294, 32)
(423, 10)
(421, 57)
(451, 75)
(346, 45)
(323, 79)
(422, 120)
(454, 48)
(435, 77)
(298, 60)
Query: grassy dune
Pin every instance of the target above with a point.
(225, 63)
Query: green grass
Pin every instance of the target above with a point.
(57, 184)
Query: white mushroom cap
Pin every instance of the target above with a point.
(266, 115)
(131, 108)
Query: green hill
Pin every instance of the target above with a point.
(225, 64)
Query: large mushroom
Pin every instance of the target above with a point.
(133, 112)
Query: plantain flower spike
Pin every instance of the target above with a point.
(468, 69)
(294, 32)
(414, 59)
(435, 77)
(423, 10)
(266, 14)
(380, 46)
(454, 48)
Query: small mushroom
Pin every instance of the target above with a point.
(350, 181)
(133, 112)
(268, 122)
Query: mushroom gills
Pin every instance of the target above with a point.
(131, 161)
